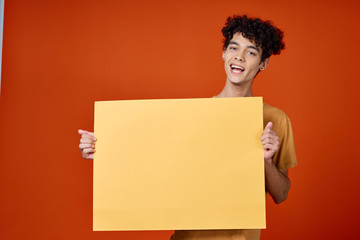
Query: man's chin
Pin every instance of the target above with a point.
(237, 82)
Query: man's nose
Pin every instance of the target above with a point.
(240, 57)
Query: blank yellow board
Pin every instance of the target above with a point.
(179, 164)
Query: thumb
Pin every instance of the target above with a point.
(269, 125)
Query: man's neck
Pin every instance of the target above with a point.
(232, 90)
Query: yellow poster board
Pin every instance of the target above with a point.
(179, 164)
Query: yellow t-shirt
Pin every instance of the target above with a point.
(284, 158)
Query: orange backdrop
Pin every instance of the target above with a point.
(61, 56)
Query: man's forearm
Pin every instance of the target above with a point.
(277, 182)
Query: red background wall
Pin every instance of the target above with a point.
(61, 56)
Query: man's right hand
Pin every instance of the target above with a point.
(87, 144)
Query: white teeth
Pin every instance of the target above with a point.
(237, 67)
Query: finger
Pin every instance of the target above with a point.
(89, 156)
(87, 134)
(268, 130)
(270, 147)
(269, 135)
(81, 132)
(86, 145)
(88, 150)
(91, 134)
(270, 141)
(269, 125)
(86, 140)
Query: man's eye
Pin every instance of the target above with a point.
(252, 53)
(233, 48)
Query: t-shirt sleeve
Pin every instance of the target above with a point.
(285, 157)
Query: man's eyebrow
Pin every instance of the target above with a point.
(255, 48)
(232, 42)
(249, 46)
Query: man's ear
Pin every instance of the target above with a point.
(223, 55)
(264, 64)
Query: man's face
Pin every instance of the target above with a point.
(242, 60)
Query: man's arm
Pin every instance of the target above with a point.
(277, 182)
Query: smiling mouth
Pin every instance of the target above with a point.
(237, 69)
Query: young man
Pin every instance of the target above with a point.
(248, 44)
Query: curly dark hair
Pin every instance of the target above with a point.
(263, 33)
